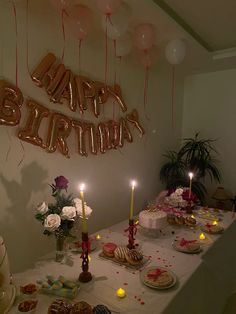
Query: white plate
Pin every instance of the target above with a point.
(185, 250)
(10, 294)
(145, 270)
(205, 229)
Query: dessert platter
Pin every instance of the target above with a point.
(158, 278)
(208, 213)
(212, 228)
(120, 254)
(187, 246)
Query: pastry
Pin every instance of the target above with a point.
(60, 307)
(101, 309)
(28, 289)
(190, 221)
(180, 220)
(81, 308)
(27, 306)
(152, 219)
(134, 257)
(158, 278)
(213, 228)
(109, 248)
(120, 253)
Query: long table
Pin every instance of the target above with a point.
(205, 280)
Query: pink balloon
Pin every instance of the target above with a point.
(108, 7)
(80, 20)
(60, 4)
(144, 36)
(149, 57)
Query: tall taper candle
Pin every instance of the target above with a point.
(84, 222)
(133, 183)
(190, 184)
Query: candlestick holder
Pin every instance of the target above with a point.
(132, 229)
(85, 275)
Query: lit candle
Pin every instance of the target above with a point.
(192, 216)
(133, 183)
(120, 293)
(190, 183)
(89, 258)
(215, 223)
(202, 236)
(98, 237)
(84, 222)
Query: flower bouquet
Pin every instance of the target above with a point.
(181, 198)
(58, 218)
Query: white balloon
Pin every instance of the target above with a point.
(175, 51)
(117, 24)
(123, 45)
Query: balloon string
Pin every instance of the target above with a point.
(119, 76)
(27, 37)
(172, 99)
(23, 154)
(114, 102)
(145, 94)
(16, 48)
(63, 33)
(9, 148)
(79, 61)
(106, 52)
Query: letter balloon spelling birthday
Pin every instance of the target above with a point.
(11, 99)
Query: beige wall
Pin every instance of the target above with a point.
(209, 107)
(107, 176)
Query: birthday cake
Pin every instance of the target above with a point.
(152, 219)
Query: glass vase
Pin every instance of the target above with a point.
(60, 248)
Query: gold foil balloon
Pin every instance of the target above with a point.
(63, 84)
(80, 128)
(59, 130)
(102, 138)
(11, 99)
(30, 132)
(49, 75)
(90, 128)
(133, 117)
(126, 131)
(80, 92)
(114, 128)
(116, 93)
(56, 80)
(42, 68)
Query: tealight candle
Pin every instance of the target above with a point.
(215, 223)
(192, 216)
(98, 237)
(89, 258)
(120, 293)
(202, 236)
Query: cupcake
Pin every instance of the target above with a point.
(81, 307)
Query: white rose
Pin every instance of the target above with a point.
(78, 205)
(179, 191)
(87, 209)
(68, 213)
(52, 222)
(42, 208)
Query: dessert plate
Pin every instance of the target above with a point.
(144, 272)
(218, 230)
(185, 249)
(7, 299)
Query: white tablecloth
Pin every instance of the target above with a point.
(205, 280)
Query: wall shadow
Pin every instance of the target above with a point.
(19, 228)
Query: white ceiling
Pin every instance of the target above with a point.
(213, 20)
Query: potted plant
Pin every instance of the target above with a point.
(195, 155)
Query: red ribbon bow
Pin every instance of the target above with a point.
(155, 274)
(184, 242)
(209, 226)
